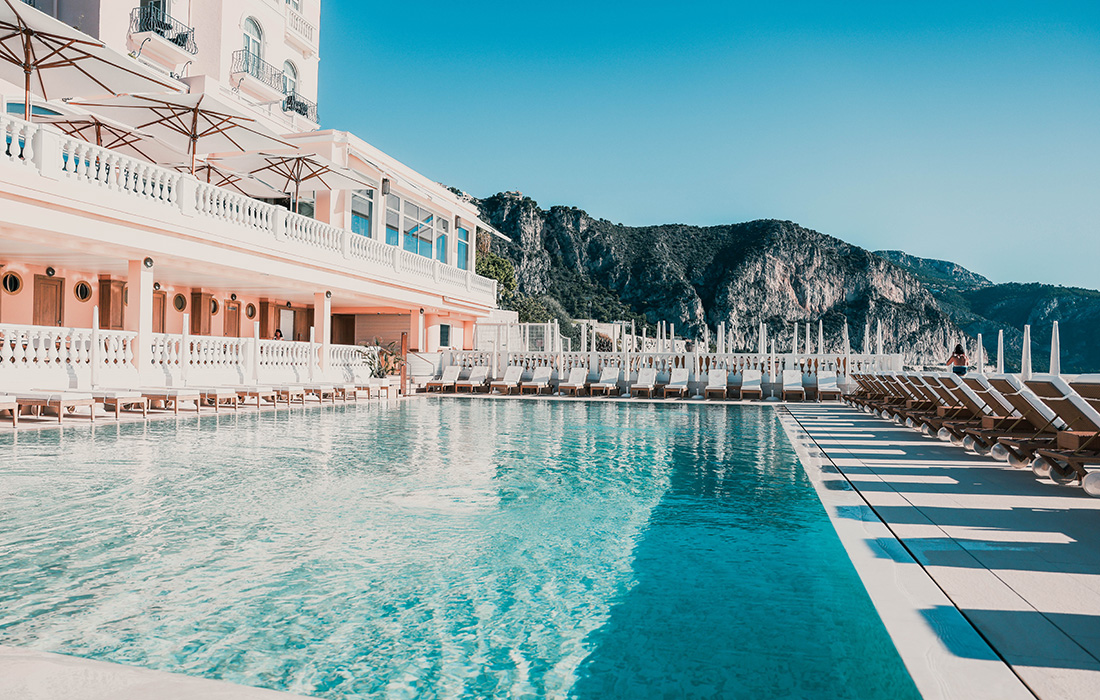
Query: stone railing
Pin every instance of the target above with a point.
(298, 26)
(152, 191)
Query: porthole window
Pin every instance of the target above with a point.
(214, 307)
(12, 283)
(250, 311)
(180, 302)
(82, 291)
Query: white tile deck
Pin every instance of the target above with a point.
(1019, 557)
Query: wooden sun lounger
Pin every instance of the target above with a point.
(539, 380)
(509, 382)
(172, 396)
(751, 384)
(575, 383)
(290, 392)
(717, 383)
(647, 382)
(478, 379)
(677, 383)
(608, 382)
(8, 403)
(827, 386)
(447, 380)
(60, 401)
(792, 384)
(116, 400)
(218, 396)
(260, 393)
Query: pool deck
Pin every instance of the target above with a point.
(962, 555)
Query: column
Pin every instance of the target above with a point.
(139, 282)
(322, 324)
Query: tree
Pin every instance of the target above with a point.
(495, 267)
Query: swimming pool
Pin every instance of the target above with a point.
(442, 548)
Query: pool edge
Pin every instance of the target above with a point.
(900, 589)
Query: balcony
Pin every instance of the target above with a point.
(156, 35)
(98, 199)
(296, 104)
(256, 76)
(299, 33)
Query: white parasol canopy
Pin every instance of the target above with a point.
(192, 124)
(294, 173)
(53, 60)
(243, 183)
(112, 135)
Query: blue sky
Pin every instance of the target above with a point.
(965, 133)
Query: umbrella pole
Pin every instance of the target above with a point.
(27, 94)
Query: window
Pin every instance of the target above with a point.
(250, 311)
(463, 248)
(295, 4)
(214, 306)
(82, 291)
(253, 39)
(419, 231)
(12, 283)
(362, 208)
(290, 79)
(393, 220)
(441, 247)
(179, 302)
(157, 5)
(444, 335)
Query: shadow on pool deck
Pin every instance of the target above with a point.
(1020, 557)
(751, 599)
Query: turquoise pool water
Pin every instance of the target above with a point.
(442, 548)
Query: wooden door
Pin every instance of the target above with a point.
(160, 308)
(232, 313)
(49, 300)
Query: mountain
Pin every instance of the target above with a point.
(569, 265)
(979, 306)
(575, 266)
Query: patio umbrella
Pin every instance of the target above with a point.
(1055, 351)
(53, 60)
(214, 174)
(192, 124)
(1025, 357)
(1001, 351)
(820, 337)
(979, 355)
(112, 135)
(294, 173)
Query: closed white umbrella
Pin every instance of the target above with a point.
(794, 339)
(1055, 351)
(1001, 351)
(1025, 357)
(809, 347)
(761, 345)
(53, 60)
(820, 337)
(879, 339)
(979, 355)
(192, 124)
(867, 338)
(846, 341)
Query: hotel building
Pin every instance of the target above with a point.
(148, 246)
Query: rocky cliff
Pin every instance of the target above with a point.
(739, 274)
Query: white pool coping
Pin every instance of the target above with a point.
(37, 675)
(901, 589)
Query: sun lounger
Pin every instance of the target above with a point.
(445, 381)
(479, 377)
(574, 385)
(217, 397)
(540, 380)
(346, 392)
(751, 384)
(290, 393)
(1080, 422)
(646, 381)
(260, 393)
(827, 386)
(677, 383)
(60, 401)
(509, 381)
(8, 403)
(717, 380)
(171, 397)
(118, 399)
(792, 385)
(607, 383)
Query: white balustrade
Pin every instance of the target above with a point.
(417, 265)
(316, 234)
(16, 140)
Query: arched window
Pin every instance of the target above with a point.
(253, 38)
(290, 78)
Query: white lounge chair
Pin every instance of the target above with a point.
(173, 397)
(445, 381)
(509, 382)
(479, 377)
(539, 380)
(717, 381)
(218, 396)
(59, 401)
(117, 399)
(827, 386)
(608, 382)
(575, 384)
(792, 384)
(647, 381)
(751, 384)
(8, 403)
(677, 383)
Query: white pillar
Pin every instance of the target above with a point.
(139, 312)
(256, 352)
(322, 324)
(185, 349)
(312, 357)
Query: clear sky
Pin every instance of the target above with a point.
(959, 130)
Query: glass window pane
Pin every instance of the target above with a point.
(444, 335)
(411, 227)
(360, 224)
(412, 210)
(393, 219)
(463, 234)
(393, 202)
(461, 255)
(392, 235)
(411, 243)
